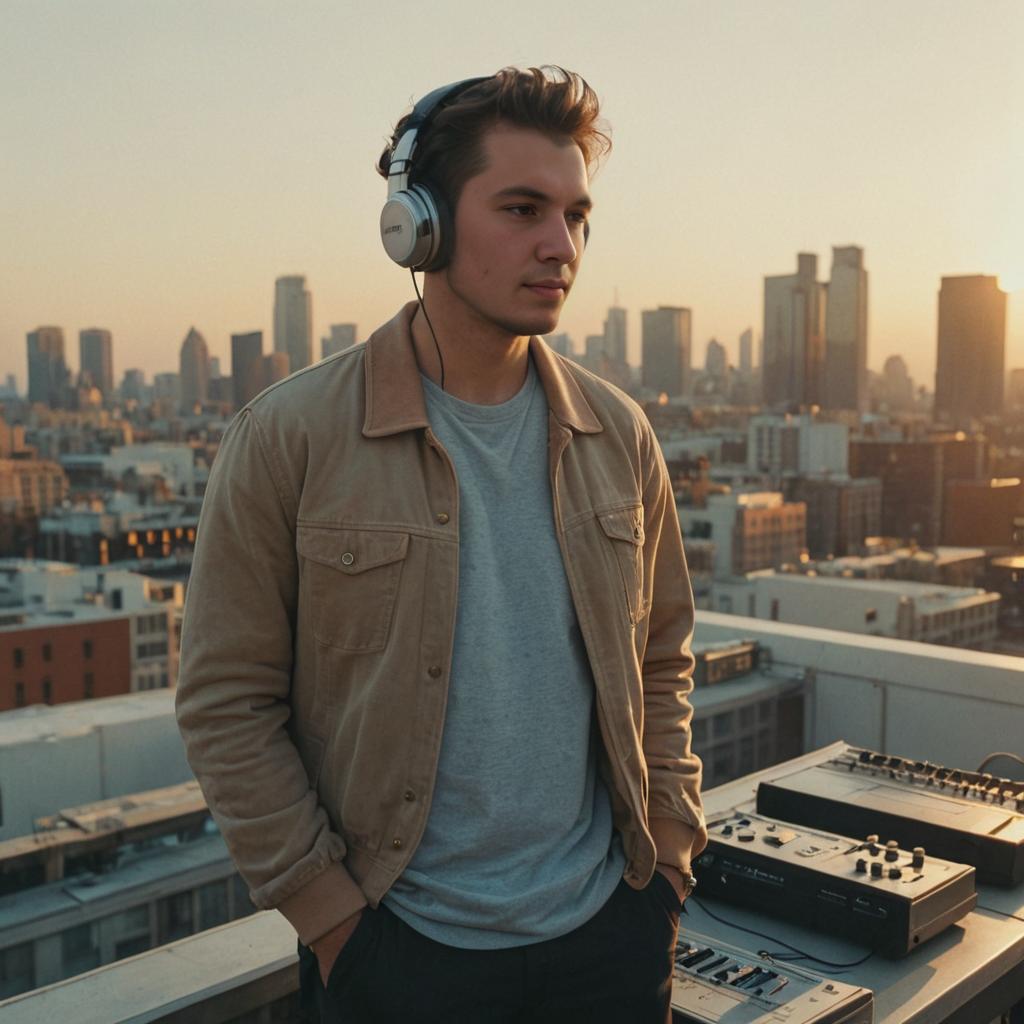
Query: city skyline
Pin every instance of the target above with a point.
(160, 195)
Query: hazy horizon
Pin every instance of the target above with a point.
(165, 162)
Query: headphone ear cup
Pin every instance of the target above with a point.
(442, 226)
(408, 228)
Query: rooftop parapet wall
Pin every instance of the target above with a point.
(949, 705)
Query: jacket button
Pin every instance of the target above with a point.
(442, 517)
(396, 843)
(348, 558)
(409, 795)
(434, 671)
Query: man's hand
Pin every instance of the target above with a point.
(675, 876)
(328, 946)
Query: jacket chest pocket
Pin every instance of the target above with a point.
(350, 584)
(624, 532)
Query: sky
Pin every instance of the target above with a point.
(163, 161)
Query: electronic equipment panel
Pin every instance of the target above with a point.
(873, 892)
(716, 983)
(961, 815)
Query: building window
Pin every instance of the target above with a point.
(47, 692)
(17, 969)
(88, 686)
(19, 657)
(47, 652)
(86, 648)
(174, 917)
(775, 609)
(242, 905)
(19, 695)
(722, 725)
(213, 905)
(871, 615)
(80, 949)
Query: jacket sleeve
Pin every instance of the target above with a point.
(675, 815)
(234, 684)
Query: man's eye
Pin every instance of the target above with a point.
(580, 218)
(522, 210)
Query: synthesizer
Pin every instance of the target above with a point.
(961, 815)
(715, 983)
(868, 891)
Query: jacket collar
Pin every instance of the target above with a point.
(394, 394)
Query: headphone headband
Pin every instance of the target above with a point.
(400, 166)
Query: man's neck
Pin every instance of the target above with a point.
(482, 364)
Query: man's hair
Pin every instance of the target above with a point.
(551, 100)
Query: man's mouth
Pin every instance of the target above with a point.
(549, 289)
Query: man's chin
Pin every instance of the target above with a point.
(524, 326)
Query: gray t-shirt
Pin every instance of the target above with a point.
(519, 845)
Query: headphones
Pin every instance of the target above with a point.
(416, 225)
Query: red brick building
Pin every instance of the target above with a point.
(52, 662)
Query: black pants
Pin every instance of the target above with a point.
(614, 969)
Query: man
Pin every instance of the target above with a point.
(436, 648)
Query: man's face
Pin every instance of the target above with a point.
(519, 230)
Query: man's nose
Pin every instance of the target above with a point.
(557, 242)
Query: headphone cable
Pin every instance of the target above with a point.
(440, 358)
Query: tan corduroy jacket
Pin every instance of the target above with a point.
(321, 612)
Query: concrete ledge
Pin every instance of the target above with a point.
(208, 978)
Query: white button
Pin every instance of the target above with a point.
(348, 558)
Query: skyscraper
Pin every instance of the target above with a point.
(615, 334)
(275, 367)
(971, 349)
(896, 387)
(195, 370)
(48, 375)
(560, 343)
(716, 359)
(246, 367)
(293, 321)
(747, 352)
(96, 358)
(133, 385)
(665, 348)
(342, 336)
(593, 350)
(794, 335)
(846, 331)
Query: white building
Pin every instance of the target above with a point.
(175, 463)
(956, 616)
(752, 530)
(78, 753)
(782, 445)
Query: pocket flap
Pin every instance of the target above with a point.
(624, 524)
(351, 551)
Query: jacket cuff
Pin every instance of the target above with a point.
(330, 898)
(676, 842)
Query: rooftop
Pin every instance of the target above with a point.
(42, 721)
(884, 694)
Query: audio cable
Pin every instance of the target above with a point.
(440, 358)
